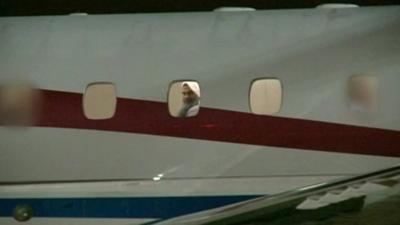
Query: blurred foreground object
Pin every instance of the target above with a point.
(19, 105)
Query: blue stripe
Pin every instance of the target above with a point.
(135, 207)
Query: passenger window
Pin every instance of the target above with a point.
(184, 98)
(363, 93)
(100, 101)
(19, 104)
(265, 96)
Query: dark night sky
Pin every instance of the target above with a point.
(57, 7)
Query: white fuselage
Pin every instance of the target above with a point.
(313, 52)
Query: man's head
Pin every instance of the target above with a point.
(190, 92)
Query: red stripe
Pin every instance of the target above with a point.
(64, 110)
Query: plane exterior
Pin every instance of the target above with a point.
(143, 165)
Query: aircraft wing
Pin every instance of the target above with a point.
(348, 193)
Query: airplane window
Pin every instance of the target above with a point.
(184, 99)
(100, 101)
(363, 93)
(19, 104)
(265, 96)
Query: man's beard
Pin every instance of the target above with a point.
(189, 101)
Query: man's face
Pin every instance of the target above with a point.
(188, 95)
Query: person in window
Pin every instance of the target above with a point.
(190, 98)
